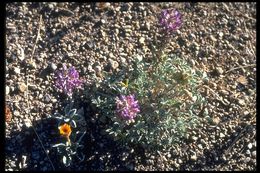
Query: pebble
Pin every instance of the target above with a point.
(193, 157)
(47, 98)
(53, 66)
(219, 70)
(194, 138)
(221, 135)
(21, 57)
(250, 145)
(16, 70)
(7, 90)
(16, 113)
(22, 87)
(248, 152)
(200, 146)
(220, 34)
(241, 102)
(254, 154)
(141, 40)
(32, 64)
(176, 164)
(169, 155)
(113, 64)
(27, 123)
(215, 120)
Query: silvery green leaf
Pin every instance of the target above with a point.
(58, 145)
(81, 137)
(73, 124)
(59, 118)
(77, 117)
(66, 161)
(72, 112)
(73, 152)
(67, 119)
(140, 138)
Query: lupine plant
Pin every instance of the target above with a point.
(155, 103)
(67, 79)
(71, 127)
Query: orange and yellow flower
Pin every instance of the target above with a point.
(65, 130)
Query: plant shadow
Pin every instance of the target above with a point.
(25, 149)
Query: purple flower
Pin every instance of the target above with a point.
(67, 79)
(127, 107)
(170, 20)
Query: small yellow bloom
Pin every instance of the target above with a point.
(124, 84)
(65, 130)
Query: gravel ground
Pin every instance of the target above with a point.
(218, 38)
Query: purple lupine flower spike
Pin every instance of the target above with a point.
(67, 79)
(170, 20)
(127, 107)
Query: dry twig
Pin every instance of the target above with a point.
(27, 93)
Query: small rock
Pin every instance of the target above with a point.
(193, 157)
(22, 87)
(219, 70)
(53, 66)
(16, 70)
(221, 135)
(21, 57)
(246, 113)
(180, 161)
(32, 64)
(250, 145)
(7, 90)
(27, 123)
(169, 155)
(215, 120)
(200, 146)
(248, 152)
(111, 55)
(220, 34)
(148, 26)
(176, 164)
(113, 64)
(241, 102)
(254, 154)
(24, 158)
(47, 98)
(103, 21)
(194, 138)
(141, 40)
(16, 113)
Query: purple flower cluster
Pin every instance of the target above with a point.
(127, 107)
(67, 79)
(170, 20)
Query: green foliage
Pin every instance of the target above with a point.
(68, 149)
(167, 92)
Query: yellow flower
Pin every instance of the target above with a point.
(124, 84)
(65, 130)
